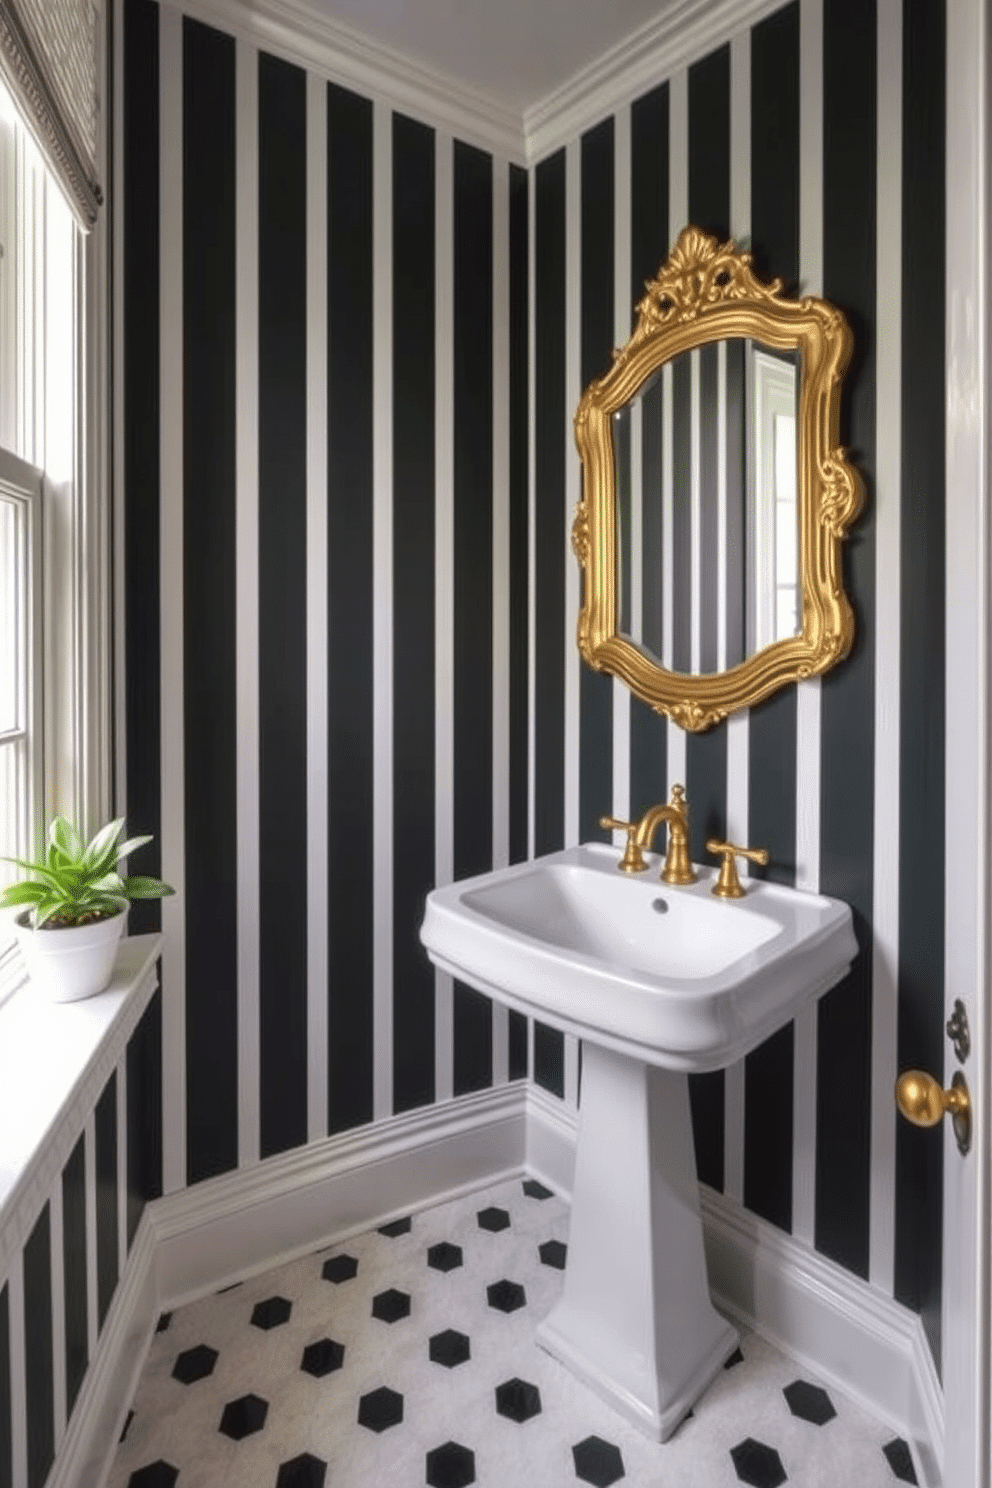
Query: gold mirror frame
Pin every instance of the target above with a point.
(704, 292)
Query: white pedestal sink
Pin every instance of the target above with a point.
(658, 981)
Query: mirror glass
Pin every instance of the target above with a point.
(707, 506)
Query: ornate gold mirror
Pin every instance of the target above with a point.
(715, 494)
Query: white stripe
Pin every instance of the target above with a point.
(18, 1382)
(382, 620)
(171, 581)
(808, 693)
(695, 514)
(678, 217)
(531, 521)
(739, 724)
(572, 370)
(444, 589)
(888, 425)
(246, 589)
(501, 564)
(89, 1190)
(721, 506)
(117, 437)
(317, 785)
(621, 331)
(58, 1309)
(571, 1071)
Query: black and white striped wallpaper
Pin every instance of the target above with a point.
(352, 346)
(56, 1291)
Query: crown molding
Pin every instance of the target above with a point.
(686, 31)
(293, 30)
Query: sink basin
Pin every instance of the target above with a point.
(673, 976)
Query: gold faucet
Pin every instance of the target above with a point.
(678, 866)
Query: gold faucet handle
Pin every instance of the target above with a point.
(728, 885)
(633, 860)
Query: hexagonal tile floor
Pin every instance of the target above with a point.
(405, 1358)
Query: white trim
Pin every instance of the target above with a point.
(18, 1382)
(967, 1249)
(89, 1214)
(317, 640)
(888, 526)
(246, 601)
(444, 586)
(382, 612)
(120, 1175)
(678, 215)
(171, 590)
(57, 1262)
(622, 190)
(344, 55)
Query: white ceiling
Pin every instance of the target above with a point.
(514, 51)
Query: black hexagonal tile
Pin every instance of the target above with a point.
(897, 1455)
(518, 1400)
(271, 1313)
(450, 1466)
(244, 1416)
(493, 1219)
(396, 1227)
(553, 1253)
(380, 1409)
(164, 1319)
(736, 1358)
(158, 1474)
(598, 1462)
(535, 1190)
(809, 1402)
(339, 1268)
(757, 1464)
(194, 1364)
(449, 1348)
(322, 1357)
(390, 1306)
(506, 1296)
(305, 1471)
(444, 1257)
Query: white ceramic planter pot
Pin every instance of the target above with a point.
(71, 962)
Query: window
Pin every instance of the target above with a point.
(48, 509)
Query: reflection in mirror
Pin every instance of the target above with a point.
(707, 506)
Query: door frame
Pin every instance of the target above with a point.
(967, 1297)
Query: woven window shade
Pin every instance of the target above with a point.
(49, 60)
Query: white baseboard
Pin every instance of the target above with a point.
(194, 1241)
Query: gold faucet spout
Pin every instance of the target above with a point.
(640, 835)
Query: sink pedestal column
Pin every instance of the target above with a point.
(635, 1320)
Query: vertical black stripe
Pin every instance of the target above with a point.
(919, 1153)
(105, 1117)
(709, 509)
(549, 1059)
(772, 730)
(141, 440)
(209, 726)
(519, 513)
(549, 547)
(518, 1046)
(549, 501)
(39, 1373)
(74, 1264)
(350, 839)
(596, 341)
(706, 754)
(6, 1443)
(144, 1114)
(282, 601)
(413, 606)
(649, 235)
(843, 1149)
(473, 574)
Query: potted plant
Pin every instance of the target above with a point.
(76, 906)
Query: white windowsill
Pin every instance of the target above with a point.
(54, 1061)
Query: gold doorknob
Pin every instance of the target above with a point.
(923, 1101)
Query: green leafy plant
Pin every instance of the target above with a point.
(78, 883)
